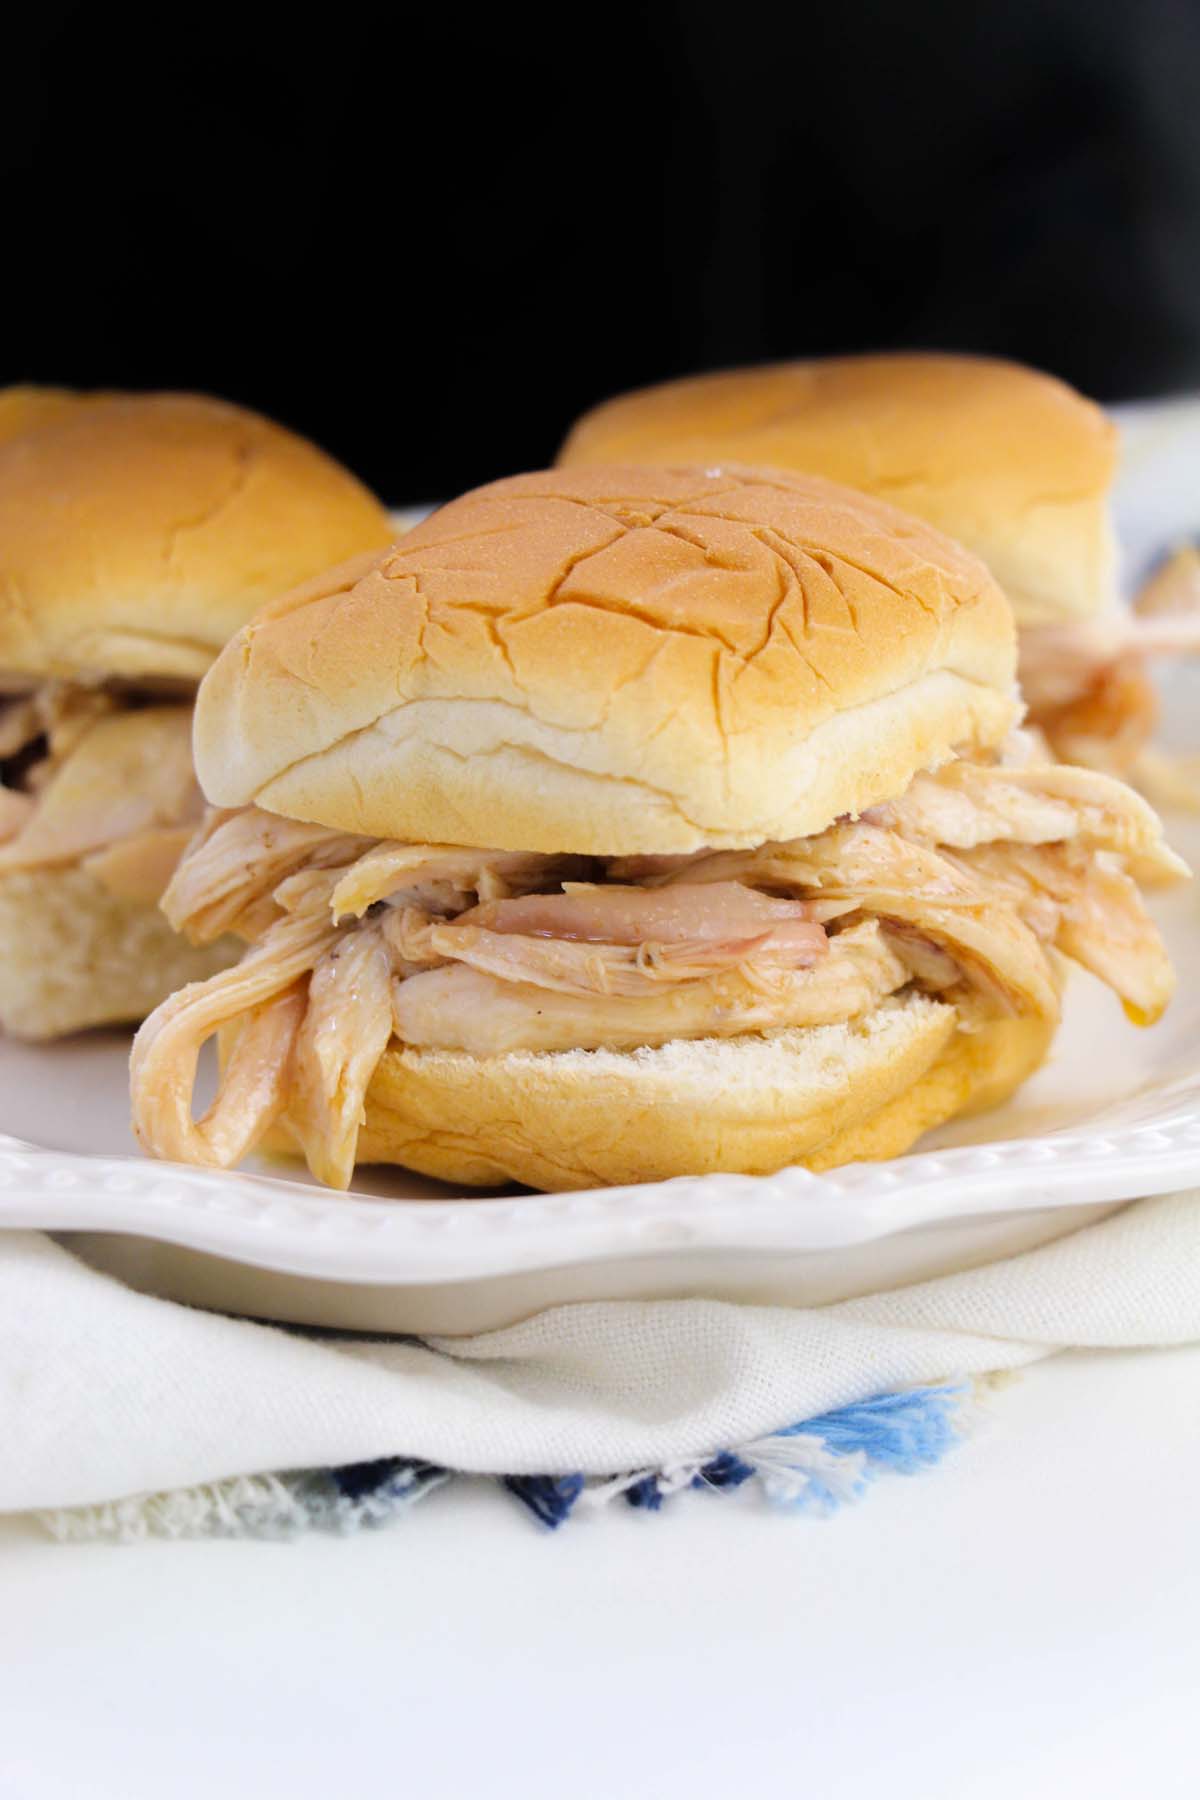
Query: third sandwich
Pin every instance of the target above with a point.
(621, 823)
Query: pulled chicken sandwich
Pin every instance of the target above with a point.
(1010, 462)
(621, 823)
(139, 532)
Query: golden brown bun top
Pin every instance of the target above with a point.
(615, 660)
(24, 409)
(1011, 462)
(137, 532)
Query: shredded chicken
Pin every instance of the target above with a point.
(97, 782)
(58, 711)
(574, 966)
(962, 886)
(969, 803)
(266, 993)
(1109, 725)
(615, 914)
(445, 878)
(129, 772)
(1091, 910)
(236, 862)
(1087, 684)
(15, 809)
(928, 963)
(140, 867)
(1060, 662)
(463, 1008)
(346, 1028)
(887, 875)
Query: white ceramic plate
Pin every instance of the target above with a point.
(1113, 1116)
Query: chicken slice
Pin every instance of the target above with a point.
(1091, 911)
(1087, 681)
(1109, 724)
(968, 803)
(346, 1028)
(15, 811)
(889, 877)
(228, 878)
(140, 867)
(254, 1086)
(129, 772)
(1061, 662)
(962, 805)
(68, 710)
(59, 711)
(460, 1008)
(574, 967)
(445, 878)
(724, 912)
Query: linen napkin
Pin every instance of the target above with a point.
(151, 1415)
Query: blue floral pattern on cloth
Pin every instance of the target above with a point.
(814, 1466)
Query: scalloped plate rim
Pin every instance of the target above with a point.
(272, 1223)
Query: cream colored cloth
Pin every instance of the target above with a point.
(105, 1393)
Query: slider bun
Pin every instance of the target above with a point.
(819, 1097)
(612, 661)
(139, 532)
(73, 955)
(24, 409)
(1014, 464)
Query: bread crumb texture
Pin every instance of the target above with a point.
(73, 955)
(815, 1097)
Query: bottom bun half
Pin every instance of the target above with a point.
(747, 1105)
(73, 955)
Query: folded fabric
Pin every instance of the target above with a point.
(815, 1466)
(106, 1393)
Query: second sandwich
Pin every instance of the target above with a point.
(137, 532)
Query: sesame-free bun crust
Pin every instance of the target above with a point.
(614, 661)
(73, 954)
(1013, 463)
(818, 1097)
(25, 409)
(138, 532)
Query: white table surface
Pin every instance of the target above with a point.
(1022, 1622)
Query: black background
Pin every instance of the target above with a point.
(429, 238)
